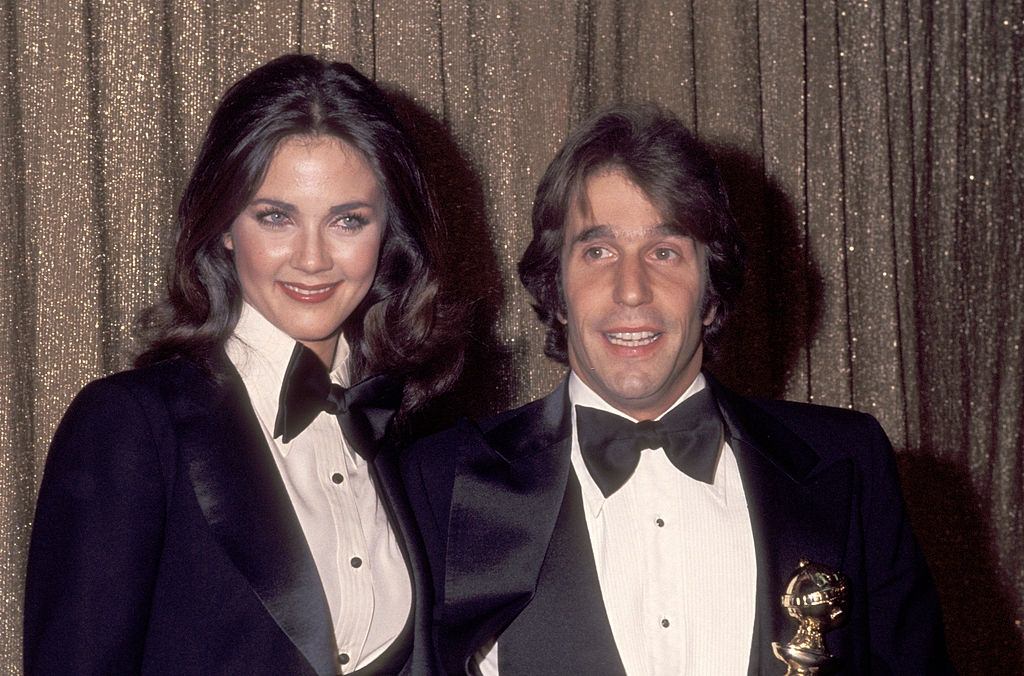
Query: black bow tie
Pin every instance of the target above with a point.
(691, 435)
(363, 410)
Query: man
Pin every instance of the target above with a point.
(575, 535)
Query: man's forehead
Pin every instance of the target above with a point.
(610, 203)
(607, 184)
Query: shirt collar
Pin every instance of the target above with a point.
(260, 352)
(583, 395)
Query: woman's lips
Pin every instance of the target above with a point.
(305, 293)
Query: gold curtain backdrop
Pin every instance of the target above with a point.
(869, 147)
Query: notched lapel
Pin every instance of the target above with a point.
(248, 510)
(508, 488)
(799, 508)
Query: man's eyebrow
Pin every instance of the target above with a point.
(595, 232)
(673, 230)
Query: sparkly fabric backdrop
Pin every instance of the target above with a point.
(869, 147)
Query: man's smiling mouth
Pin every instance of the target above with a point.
(632, 338)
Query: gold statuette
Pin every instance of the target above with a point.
(816, 599)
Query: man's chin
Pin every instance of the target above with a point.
(633, 398)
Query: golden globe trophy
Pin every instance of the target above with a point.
(816, 598)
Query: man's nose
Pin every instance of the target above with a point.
(632, 282)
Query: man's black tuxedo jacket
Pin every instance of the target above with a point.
(820, 483)
(165, 543)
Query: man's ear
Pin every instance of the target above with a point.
(228, 242)
(709, 316)
(712, 309)
(562, 305)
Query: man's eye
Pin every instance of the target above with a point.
(663, 254)
(595, 252)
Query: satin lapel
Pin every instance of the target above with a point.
(799, 508)
(250, 515)
(393, 495)
(506, 497)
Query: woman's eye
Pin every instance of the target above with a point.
(272, 218)
(351, 221)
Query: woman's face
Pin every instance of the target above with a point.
(306, 244)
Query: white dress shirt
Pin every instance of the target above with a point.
(361, 566)
(675, 561)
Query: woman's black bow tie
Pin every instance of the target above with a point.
(363, 410)
(691, 435)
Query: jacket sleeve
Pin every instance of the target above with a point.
(904, 616)
(97, 537)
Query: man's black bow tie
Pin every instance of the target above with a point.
(363, 410)
(691, 435)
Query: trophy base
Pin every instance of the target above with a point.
(800, 661)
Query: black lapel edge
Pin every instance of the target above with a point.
(507, 493)
(250, 515)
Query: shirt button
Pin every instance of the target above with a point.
(343, 658)
(665, 623)
(337, 478)
(660, 522)
(356, 562)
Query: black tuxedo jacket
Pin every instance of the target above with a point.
(820, 483)
(165, 543)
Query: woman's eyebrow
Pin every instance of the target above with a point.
(334, 210)
(283, 206)
(349, 206)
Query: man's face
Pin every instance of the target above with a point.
(633, 287)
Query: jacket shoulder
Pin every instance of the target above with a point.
(802, 412)
(515, 417)
(468, 431)
(137, 406)
(826, 433)
(827, 428)
(172, 387)
(151, 380)
(434, 457)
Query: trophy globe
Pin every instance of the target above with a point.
(816, 598)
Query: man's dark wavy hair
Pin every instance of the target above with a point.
(675, 172)
(403, 326)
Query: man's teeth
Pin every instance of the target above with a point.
(309, 292)
(632, 338)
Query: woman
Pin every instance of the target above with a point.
(199, 514)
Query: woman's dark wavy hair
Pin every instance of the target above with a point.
(403, 326)
(676, 173)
